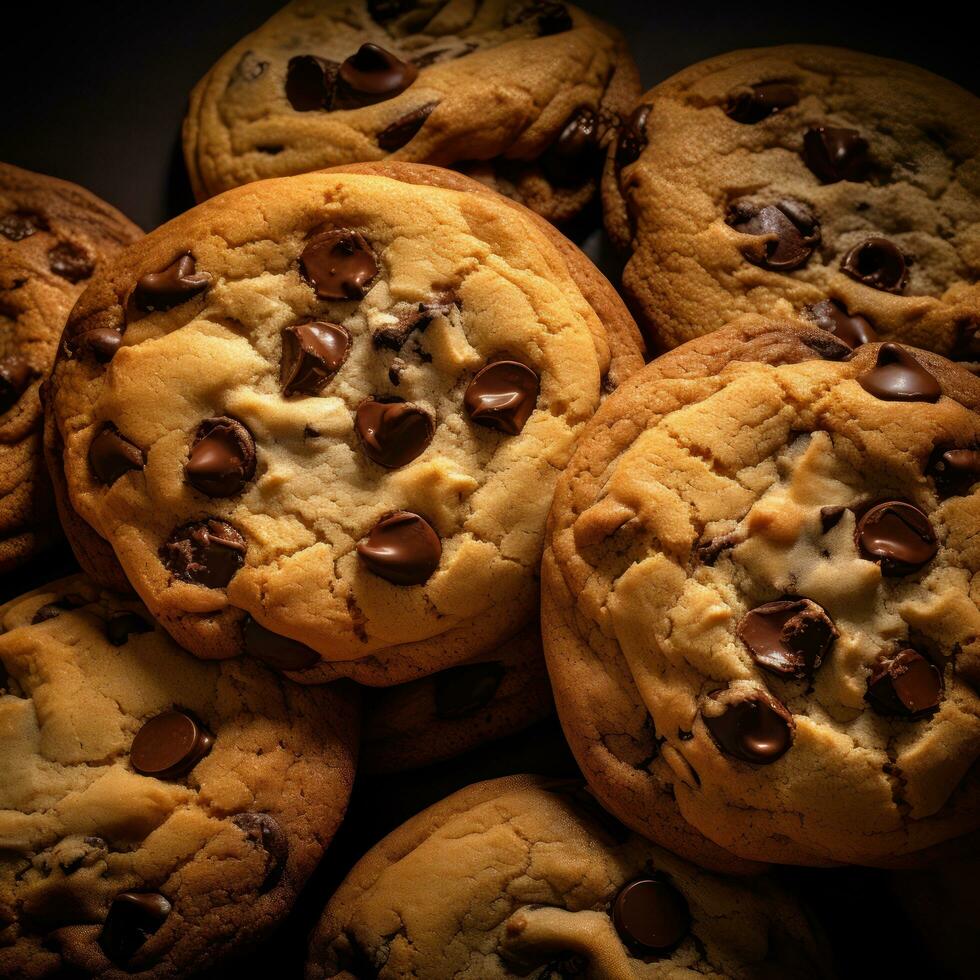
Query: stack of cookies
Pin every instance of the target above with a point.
(363, 468)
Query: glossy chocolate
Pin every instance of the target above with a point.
(401, 548)
(70, 261)
(393, 433)
(502, 396)
(263, 830)
(310, 82)
(757, 729)
(905, 685)
(111, 455)
(207, 553)
(835, 154)
(651, 915)
(372, 74)
(574, 156)
(787, 233)
(898, 536)
(877, 263)
(853, 329)
(169, 745)
(222, 458)
(18, 225)
(133, 917)
(790, 637)
(632, 137)
(312, 353)
(954, 470)
(171, 286)
(761, 101)
(339, 264)
(898, 377)
(404, 129)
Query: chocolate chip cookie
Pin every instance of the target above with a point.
(759, 609)
(455, 710)
(158, 814)
(529, 877)
(319, 419)
(805, 181)
(52, 236)
(523, 94)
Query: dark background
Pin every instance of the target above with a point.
(95, 93)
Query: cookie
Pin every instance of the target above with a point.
(446, 714)
(523, 94)
(759, 609)
(527, 876)
(802, 181)
(158, 814)
(329, 434)
(53, 235)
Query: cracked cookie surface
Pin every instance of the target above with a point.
(158, 813)
(528, 877)
(52, 236)
(803, 181)
(523, 94)
(760, 598)
(337, 409)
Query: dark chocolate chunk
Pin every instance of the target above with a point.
(786, 233)
(276, 650)
(757, 729)
(761, 101)
(393, 433)
(651, 916)
(551, 17)
(898, 377)
(111, 455)
(954, 470)
(171, 286)
(832, 316)
(100, 342)
(502, 396)
(312, 353)
(401, 548)
(790, 637)
(416, 318)
(133, 917)
(222, 459)
(263, 830)
(878, 263)
(207, 553)
(371, 75)
(404, 129)
(310, 82)
(898, 536)
(966, 343)
(339, 264)
(169, 745)
(52, 609)
(121, 625)
(70, 261)
(18, 225)
(464, 690)
(906, 685)
(632, 139)
(574, 156)
(16, 376)
(835, 154)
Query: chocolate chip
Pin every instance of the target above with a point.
(790, 637)
(276, 650)
(832, 316)
(339, 264)
(393, 433)
(707, 552)
(966, 345)
(418, 317)
(787, 233)
(207, 553)
(111, 455)
(382, 10)
(70, 261)
(632, 139)
(551, 17)
(651, 915)
(263, 830)
(404, 129)
(401, 548)
(898, 377)
(52, 609)
(757, 729)
(18, 225)
(836, 154)
(171, 286)
(170, 744)
(954, 470)
(222, 459)
(16, 376)
(827, 347)
(502, 396)
(310, 82)
(121, 625)
(464, 690)
(101, 342)
(906, 685)
(371, 75)
(574, 156)
(133, 917)
(761, 101)
(898, 536)
(878, 263)
(312, 353)
(830, 517)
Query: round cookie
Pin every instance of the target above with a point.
(330, 433)
(52, 236)
(523, 94)
(802, 181)
(158, 814)
(527, 877)
(759, 607)
(448, 713)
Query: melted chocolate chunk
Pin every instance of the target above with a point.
(761, 101)
(898, 536)
(276, 650)
(133, 917)
(574, 156)
(18, 225)
(52, 609)
(222, 458)
(651, 916)
(312, 353)
(207, 553)
(757, 729)
(371, 75)
(401, 548)
(171, 286)
(169, 745)
(707, 552)
(966, 345)
(70, 261)
(339, 264)
(787, 233)
(310, 82)
(111, 455)
(393, 433)
(832, 316)
(121, 625)
(16, 376)
(263, 830)
(954, 470)
(502, 396)
(464, 690)
(878, 263)
(418, 318)
(898, 377)
(790, 637)
(836, 154)
(905, 685)
(100, 343)
(404, 129)
(632, 139)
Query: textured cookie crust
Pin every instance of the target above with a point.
(448, 713)
(498, 281)
(52, 236)
(79, 825)
(517, 876)
(917, 185)
(728, 474)
(499, 79)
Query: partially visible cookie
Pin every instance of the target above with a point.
(158, 814)
(528, 877)
(803, 181)
(759, 599)
(455, 710)
(522, 94)
(53, 235)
